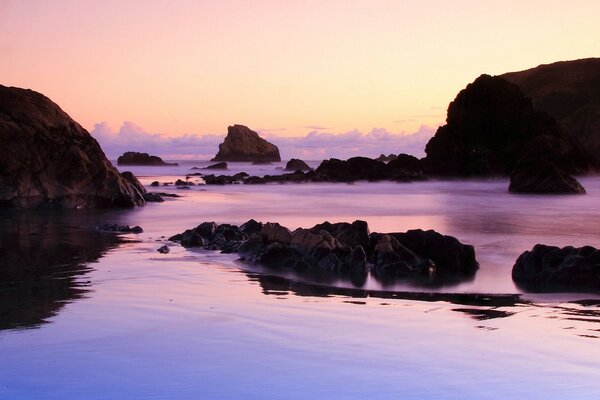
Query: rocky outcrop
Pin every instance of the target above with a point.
(243, 144)
(297, 165)
(490, 126)
(549, 268)
(48, 160)
(135, 158)
(363, 168)
(570, 92)
(347, 248)
(534, 176)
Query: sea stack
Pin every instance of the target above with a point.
(243, 144)
(491, 125)
(48, 160)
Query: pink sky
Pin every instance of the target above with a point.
(281, 67)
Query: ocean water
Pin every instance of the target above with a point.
(90, 315)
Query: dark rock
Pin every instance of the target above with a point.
(243, 144)
(296, 165)
(120, 228)
(542, 177)
(48, 160)
(180, 182)
(407, 163)
(340, 248)
(153, 198)
(162, 194)
(549, 267)
(135, 158)
(490, 124)
(155, 183)
(385, 158)
(164, 249)
(220, 165)
(570, 92)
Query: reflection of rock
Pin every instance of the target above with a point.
(48, 160)
(490, 125)
(538, 176)
(135, 158)
(549, 267)
(42, 259)
(341, 248)
(243, 144)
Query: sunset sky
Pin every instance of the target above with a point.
(284, 68)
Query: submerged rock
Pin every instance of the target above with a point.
(549, 267)
(120, 228)
(347, 248)
(135, 158)
(243, 144)
(542, 177)
(48, 160)
(219, 165)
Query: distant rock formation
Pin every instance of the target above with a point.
(296, 165)
(135, 158)
(219, 165)
(48, 160)
(570, 92)
(490, 126)
(243, 144)
(548, 267)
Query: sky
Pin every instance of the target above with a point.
(367, 72)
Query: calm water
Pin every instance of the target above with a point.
(89, 315)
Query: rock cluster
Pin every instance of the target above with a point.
(243, 144)
(135, 158)
(340, 248)
(48, 160)
(549, 267)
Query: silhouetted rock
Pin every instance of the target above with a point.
(542, 177)
(570, 92)
(48, 160)
(135, 158)
(363, 168)
(490, 124)
(220, 165)
(243, 144)
(153, 198)
(120, 228)
(340, 248)
(384, 158)
(155, 183)
(406, 163)
(296, 165)
(549, 267)
(164, 249)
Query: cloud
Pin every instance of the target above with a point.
(315, 145)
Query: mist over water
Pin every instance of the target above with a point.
(123, 321)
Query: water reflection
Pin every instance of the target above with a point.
(43, 257)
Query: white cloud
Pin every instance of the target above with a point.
(315, 145)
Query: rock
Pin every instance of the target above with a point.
(164, 249)
(180, 182)
(340, 248)
(549, 267)
(570, 92)
(220, 165)
(406, 163)
(384, 158)
(490, 124)
(120, 228)
(296, 165)
(243, 144)
(48, 160)
(153, 198)
(541, 177)
(135, 158)
(155, 183)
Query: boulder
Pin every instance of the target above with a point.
(243, 144)
(48, 160)
(135, 158)
(542, 177)
(490, 124)
(296, 165)
(220, 165)
(549, 267)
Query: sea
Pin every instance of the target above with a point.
(86, 314)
